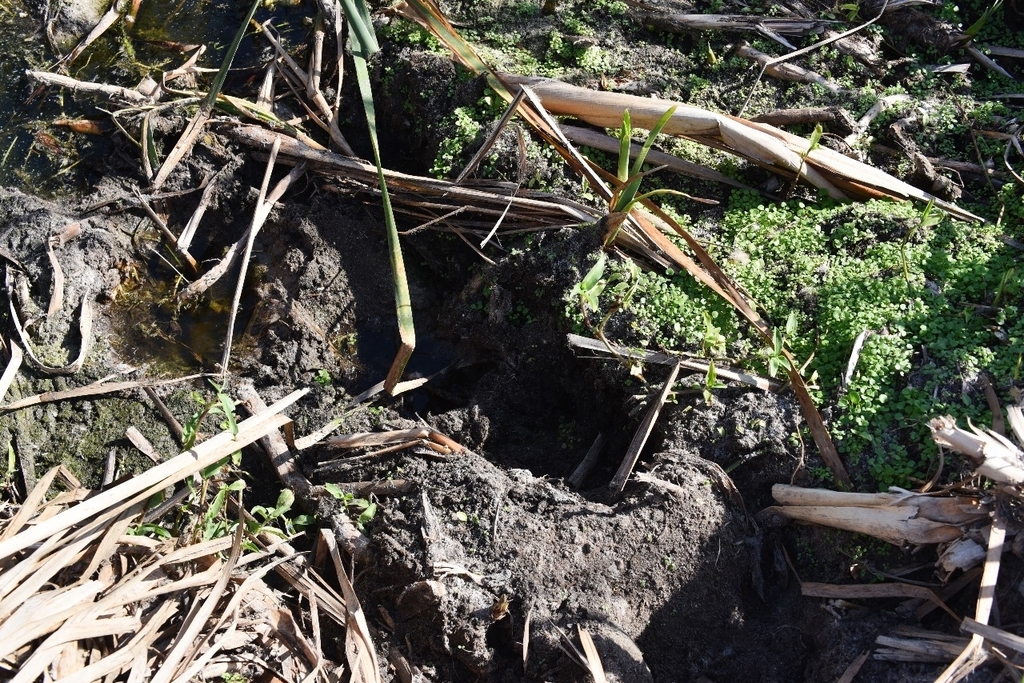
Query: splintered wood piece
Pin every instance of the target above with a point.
(618, 482)
(919, 649)
(870, 591)
(974, 654)
(994, 635)
(896, 525)
(992, 454)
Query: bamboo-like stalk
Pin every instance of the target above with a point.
(894, 517)
(775, 149)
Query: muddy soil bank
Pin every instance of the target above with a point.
(674, 580)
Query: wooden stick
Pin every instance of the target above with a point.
(784, 72)
(262, 211)
(993, 634)
(281, 457)
(640, 439)
(110, 91)
(974, 655)
(97, 388)
(587, 464)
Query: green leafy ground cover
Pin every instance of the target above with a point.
(937, 298)
(838, 270)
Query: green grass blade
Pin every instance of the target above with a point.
(403, 301)
(642, 157)
(624, 144)
(361, 24)
(225, 66)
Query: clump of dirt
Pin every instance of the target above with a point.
(664, 579)
(673, 577)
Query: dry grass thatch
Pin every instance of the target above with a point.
(84, 598)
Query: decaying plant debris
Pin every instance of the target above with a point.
(478, 572)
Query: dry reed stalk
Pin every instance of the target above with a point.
(331, 125)
(264, 205)
(97, 388)
(141, 487)
(165, 231)
(992, 454)
(362, 655)
(973, 654)
(117, 93)
(422, 197)
(767, 146)
(894, 517)
(784, 72)
(659, 358)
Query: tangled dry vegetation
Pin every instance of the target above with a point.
(86, 594)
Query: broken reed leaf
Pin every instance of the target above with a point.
(105, 22)
(11, 371)
(359, 648)
(593, 658)
(854, 668)
(84, 327)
